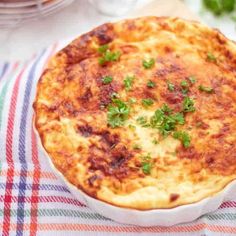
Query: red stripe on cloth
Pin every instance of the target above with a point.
(228, 204)
(130, 229)
(30, 174)
(36, 174)
(35, 191)
(9, 156)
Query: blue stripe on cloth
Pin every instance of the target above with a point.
(43, 187)
(21, 147)
(4, 69)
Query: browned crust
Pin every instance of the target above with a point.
(75, 69)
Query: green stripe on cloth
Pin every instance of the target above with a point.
(58, 213)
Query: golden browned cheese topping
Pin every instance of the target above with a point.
(141, 113)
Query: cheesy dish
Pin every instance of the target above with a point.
(141, 113)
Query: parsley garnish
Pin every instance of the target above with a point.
(146, 167)
(147, 64)
(179, 118)
(165, 120)
(211, 57)
(107, 55)
(184, 92)
(205, 89)
(103, 48)
(219, 6)
(147, 102)
(184, 84)
(166, 108)
(128, 82)
(143, 121)
(188, 105)
(183, 137)
(107, 79)
(170, 86)
(151, 84)
(185, 87)
(117, 113)
(146, 164)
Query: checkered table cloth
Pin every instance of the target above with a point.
(33, 201)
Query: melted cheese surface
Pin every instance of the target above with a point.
(72, 103)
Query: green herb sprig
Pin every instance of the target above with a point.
(107, 80)
(107, 55)
(117, 113)
(149, 63)
(219, 7)
(128, 82)
(146, 164)
(147, 102)
(183, 137)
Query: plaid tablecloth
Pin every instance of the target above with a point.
(33, 201)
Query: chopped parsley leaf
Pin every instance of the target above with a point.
(147, 64)
(185, 87)
(184, 92)
(143, 121)
(184, 84)
(107, 55)
(165, 121)
(205, 89)
(146, 167)
(128, 82)
(107, 79)
(165, 108)
(103, 48)
(151, 84)
(183, 137)
(188, 105)
(211, 57)
(179, 118)
(117, 113)
(146, 164)
(146, 102)
(170, 86)
(146, 157)
(192, 79)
